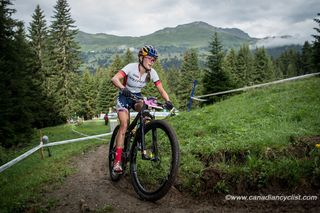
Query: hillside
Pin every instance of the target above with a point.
(99, 49)
(263, 139)
(196, 35)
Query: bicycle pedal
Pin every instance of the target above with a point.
(145, 157)
(155, 159)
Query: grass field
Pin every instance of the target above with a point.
(253, 140)
(22, 184)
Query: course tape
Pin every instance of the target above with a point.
(198, 98)
(41, 145)
(21, 157)
(76, 140)
(85, 134)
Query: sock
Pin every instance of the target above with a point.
(118, 153)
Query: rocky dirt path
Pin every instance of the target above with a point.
(91, 190)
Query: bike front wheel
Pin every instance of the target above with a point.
(152, 177)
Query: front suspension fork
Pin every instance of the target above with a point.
(154, 149)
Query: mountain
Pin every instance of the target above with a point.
(192, 35)
(172, 42)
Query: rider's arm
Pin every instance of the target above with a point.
(116, 80)
(162, 92)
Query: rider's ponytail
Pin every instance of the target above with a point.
(148, 76)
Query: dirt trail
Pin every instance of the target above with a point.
(91, 190)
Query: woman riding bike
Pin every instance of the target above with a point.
(136, 76)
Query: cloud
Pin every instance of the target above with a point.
(140, 17)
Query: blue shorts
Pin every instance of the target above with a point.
(125, 103)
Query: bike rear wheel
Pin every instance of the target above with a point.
(112, 154)
(152, 178)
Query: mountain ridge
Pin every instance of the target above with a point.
(191, 35)
(98, 49)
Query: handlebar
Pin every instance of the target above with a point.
(152, 102)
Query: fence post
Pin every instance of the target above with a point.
(192, 94)
(45, 140)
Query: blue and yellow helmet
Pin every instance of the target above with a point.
(148, 50)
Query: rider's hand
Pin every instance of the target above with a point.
(126, 92)
(168, 105)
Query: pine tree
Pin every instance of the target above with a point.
(306, 58)
(262, 70)
(278, 67)
(215, 78)
(98, 79)
(38, 35)
(115, 66)
(230, 66)
(87, 96)
(189, 72)
(316, 46)
(196, 74)
(288, 61)
(17, 105)
(103, 92)
(128, 57)
(173, 75)
(65, 59)
(107, 91)
(244, 66)
(281, 66)
(113, 69)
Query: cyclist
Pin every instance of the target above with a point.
(136, 76)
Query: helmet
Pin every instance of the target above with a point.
(148, 50)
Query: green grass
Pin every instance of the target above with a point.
(252, 140)
(22, 184)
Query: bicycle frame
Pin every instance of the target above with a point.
(139, 134)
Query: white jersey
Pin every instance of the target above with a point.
(134, 81)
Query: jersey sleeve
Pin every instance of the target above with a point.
(125, 70)
(155, 77)
(122, 73)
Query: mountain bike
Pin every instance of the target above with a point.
(151, 146)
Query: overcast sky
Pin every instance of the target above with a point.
(142, 17)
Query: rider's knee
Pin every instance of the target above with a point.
(123, 128)
(138, 106)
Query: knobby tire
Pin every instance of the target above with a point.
(141, 177)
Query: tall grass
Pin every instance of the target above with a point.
(256, 136)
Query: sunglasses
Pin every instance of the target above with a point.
(152, 59)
